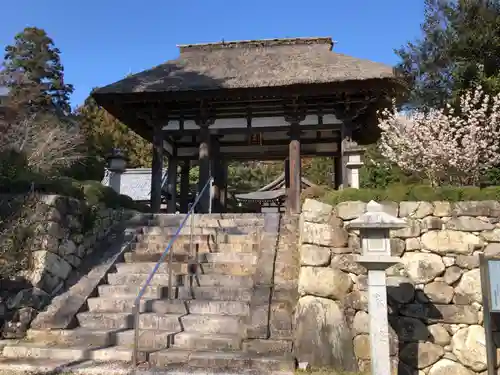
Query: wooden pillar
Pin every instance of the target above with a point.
(205, 172)
(286, 169)
(295, 170)
(172, 184)
(216, 173)
(156, 170)
(223, 192)
(184, 188)
(338, 172)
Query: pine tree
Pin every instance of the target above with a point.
(459, 49)
(34, 74)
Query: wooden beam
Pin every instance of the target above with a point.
(268, 156)
(273, 142)
(253, 130)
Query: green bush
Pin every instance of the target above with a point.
(398, 193)
(93, 192)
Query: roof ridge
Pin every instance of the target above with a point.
(254, 43)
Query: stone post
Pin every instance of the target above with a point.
(374, 227)
(116, 166)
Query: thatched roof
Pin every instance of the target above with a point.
(251, 64)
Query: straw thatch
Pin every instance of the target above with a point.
(250, 64)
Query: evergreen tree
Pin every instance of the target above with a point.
(103, 132)
(34, 74)
(459, 49)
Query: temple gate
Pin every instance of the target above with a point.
(252, 100)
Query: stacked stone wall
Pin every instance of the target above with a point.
(434, 293)
(62, 233)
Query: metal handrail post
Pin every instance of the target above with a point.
(137, 301)
(210, 196)
(191, 244)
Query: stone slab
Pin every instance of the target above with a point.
(61, 313)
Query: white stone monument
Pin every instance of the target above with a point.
(374, 227)
(353, 165)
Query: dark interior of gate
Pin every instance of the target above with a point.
(251, 100)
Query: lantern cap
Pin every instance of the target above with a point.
(116, 153)
(376, 218)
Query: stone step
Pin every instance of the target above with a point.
(165, 306)
(214, 324)
(145, 263)
(71, 337)
(117, 353)
(162, 322)
(27, 350)
(198, 247)
(147, 268)
(197, 306)
(161, 279)
(226, 293)
(33, 350)
(150, 259)
(149, 340)
(195, 341)
(227, 257)
(236, 361)
(180, 242)
(216, 216)
(140, 279)
(105, 321)
(220, 280)
(154, 257)
(152, 291)
(115, 305)
(163, 240)
(207, 222)
(197, 230)
(224, 268)
(268, 346)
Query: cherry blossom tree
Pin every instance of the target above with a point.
(445, 146)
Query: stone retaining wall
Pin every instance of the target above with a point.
(66, 234)
(62, 233)
(434, 294)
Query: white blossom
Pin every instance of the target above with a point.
(444, 146)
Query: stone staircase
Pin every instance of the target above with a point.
(219, 316)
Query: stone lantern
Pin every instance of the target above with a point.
(116, 166)
(374, 229)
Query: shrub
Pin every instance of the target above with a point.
(313, 192)
(398, 193)
(93, 192)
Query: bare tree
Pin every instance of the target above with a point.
(46, 142)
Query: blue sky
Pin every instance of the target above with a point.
(102, 41)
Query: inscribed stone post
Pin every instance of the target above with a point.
(376, 257)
